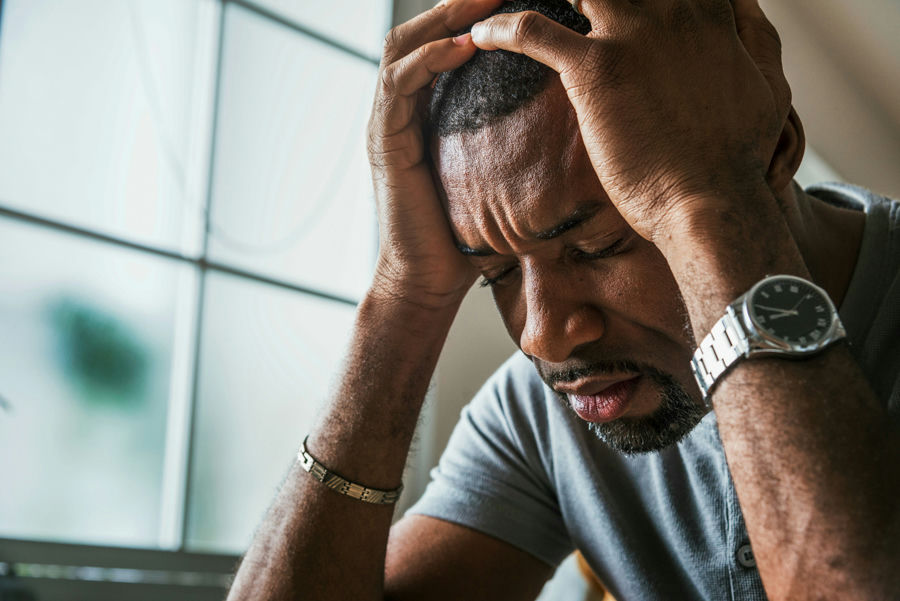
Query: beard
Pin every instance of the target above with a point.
(676, 415)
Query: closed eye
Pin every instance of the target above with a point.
(603, 253)
(576, 253)
(494, 280)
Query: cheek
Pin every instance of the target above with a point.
(645, 291)
(637, 288)
(512, 313)
(511, 304)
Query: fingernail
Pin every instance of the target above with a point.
(476, 31)
(462, 40)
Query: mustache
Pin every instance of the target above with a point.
(596, 368)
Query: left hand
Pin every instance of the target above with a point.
(680, 102)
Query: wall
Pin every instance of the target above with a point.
(843, 61)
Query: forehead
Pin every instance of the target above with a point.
(521, 175)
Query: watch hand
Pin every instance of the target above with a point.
(780, 315)
(785, 311)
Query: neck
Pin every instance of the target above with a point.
(829, 238)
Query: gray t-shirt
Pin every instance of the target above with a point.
(523, 468)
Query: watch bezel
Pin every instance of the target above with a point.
(762, 342)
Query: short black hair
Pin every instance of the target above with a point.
(496, 83)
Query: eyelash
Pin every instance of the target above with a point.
(607, 252)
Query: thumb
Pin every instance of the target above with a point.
(534, 35)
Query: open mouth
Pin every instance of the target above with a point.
(600, 400)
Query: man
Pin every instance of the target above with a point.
(616, 205)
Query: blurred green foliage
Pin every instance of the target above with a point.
(102, 357)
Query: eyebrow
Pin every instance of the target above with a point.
(571, 221)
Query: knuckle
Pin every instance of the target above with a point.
(718, 12)
(420, 55)
(372, 145)
(378, 122)
(393, 41)
(389, 78)
(524, 27)
(396, 152)
(373, 136)
(680, 16)
(787, 94)
(771, 33)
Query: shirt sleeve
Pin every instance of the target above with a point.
(494, 475)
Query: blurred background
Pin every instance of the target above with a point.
(186, 225)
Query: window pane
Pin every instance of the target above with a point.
(360, 24)
(267, 359)
(85, 376)
(103, 114)
(292, 195)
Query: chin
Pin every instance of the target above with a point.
(675, 415)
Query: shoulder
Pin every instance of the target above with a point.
(520, 405)
(514, 404)
(871, 308)
(516, 380)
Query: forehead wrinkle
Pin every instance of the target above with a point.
(510, 180)
(484, 214)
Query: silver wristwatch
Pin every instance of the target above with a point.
(782, 315)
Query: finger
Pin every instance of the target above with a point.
(418, 69)
(763, 44)
(603, 13)
(534, 35)
(403, 79)
(442, 21)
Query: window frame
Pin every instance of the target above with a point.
(45, 561)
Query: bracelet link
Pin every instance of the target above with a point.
(343, 486)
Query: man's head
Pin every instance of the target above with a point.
(494, 84)
(593, 304)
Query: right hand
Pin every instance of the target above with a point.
(418, 260)
(680, 103)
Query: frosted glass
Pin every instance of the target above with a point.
(360, 24)
(268, 356)
(86, 337)
(102, 114)
(292, 194)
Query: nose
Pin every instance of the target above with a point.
(559, 316)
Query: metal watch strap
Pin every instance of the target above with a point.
(342, 485)
(725, 343)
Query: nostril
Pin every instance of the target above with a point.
(553, 337)
(545, 343)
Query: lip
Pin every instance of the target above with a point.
(600, 400)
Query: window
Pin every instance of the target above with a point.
(186, 224)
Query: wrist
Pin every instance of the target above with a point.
(412, 293)
(716, 210)
(717, 252)
(391, 357)
(398, 312)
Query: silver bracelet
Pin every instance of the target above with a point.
(342, 485)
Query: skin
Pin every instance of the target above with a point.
(527, 174)
(701, 179)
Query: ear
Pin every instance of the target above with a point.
(788, 153)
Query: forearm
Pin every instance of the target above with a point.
(810, 448)
(315, 543)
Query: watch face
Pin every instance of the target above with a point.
(792, 310)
